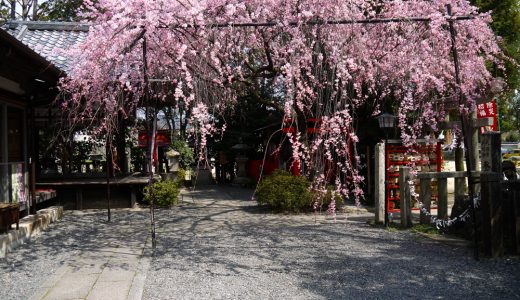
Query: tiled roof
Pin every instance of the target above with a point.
(47, 38)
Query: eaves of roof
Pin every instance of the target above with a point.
(49, 39)
(47, 66)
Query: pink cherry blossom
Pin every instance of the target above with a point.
(326, 72)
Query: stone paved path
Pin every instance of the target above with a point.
(219, 245)
(81, 257)
(107, 273)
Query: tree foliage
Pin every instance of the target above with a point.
(186, 157)
(506, 24)
(46, 10)
(60, 10)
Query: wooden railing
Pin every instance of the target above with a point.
(425, 193)
(498, 215)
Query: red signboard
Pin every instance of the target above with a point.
(162, 139)
(427, 158)
(488, 110)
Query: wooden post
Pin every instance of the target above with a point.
(491, 154)
(515, 200)
(491, 207)
(458, 206)
(405, 201)
(379, 182)
(426, 198)
(442, 202)
(511, 216)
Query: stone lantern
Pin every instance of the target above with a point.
(173, 162)
(241, 159)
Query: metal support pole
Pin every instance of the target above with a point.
(465, 128)
(150, 144)
(108, 154)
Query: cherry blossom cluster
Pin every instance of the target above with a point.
(199, 55)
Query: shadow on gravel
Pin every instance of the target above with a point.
(231, 239)
(218, 236)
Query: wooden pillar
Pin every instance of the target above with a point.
(442, 202)
(491, 207)
(426, 198)
(4, 168)
(31, 139)
(379, 180)
(405, 201)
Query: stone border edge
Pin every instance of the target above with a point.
(30, 226)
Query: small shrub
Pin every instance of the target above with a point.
(181, 175)
(328, 198)
(425, 228)
(186, 156)
(165, 193)
(284, 192)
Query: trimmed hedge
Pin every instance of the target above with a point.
(284, 192)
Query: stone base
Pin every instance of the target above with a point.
(241, 181)
(169, 176)
(203, 177)
(29, 226)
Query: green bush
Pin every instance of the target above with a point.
(328, 198)
(165, 193)
(181, 175)
(186, 156)
(284, 192)
(425, 228)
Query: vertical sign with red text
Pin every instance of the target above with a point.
(488, 110)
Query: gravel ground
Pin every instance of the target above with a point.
(218, 244)
(25, 269)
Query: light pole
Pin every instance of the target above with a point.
(386, 122)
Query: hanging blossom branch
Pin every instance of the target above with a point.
(326, 71)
